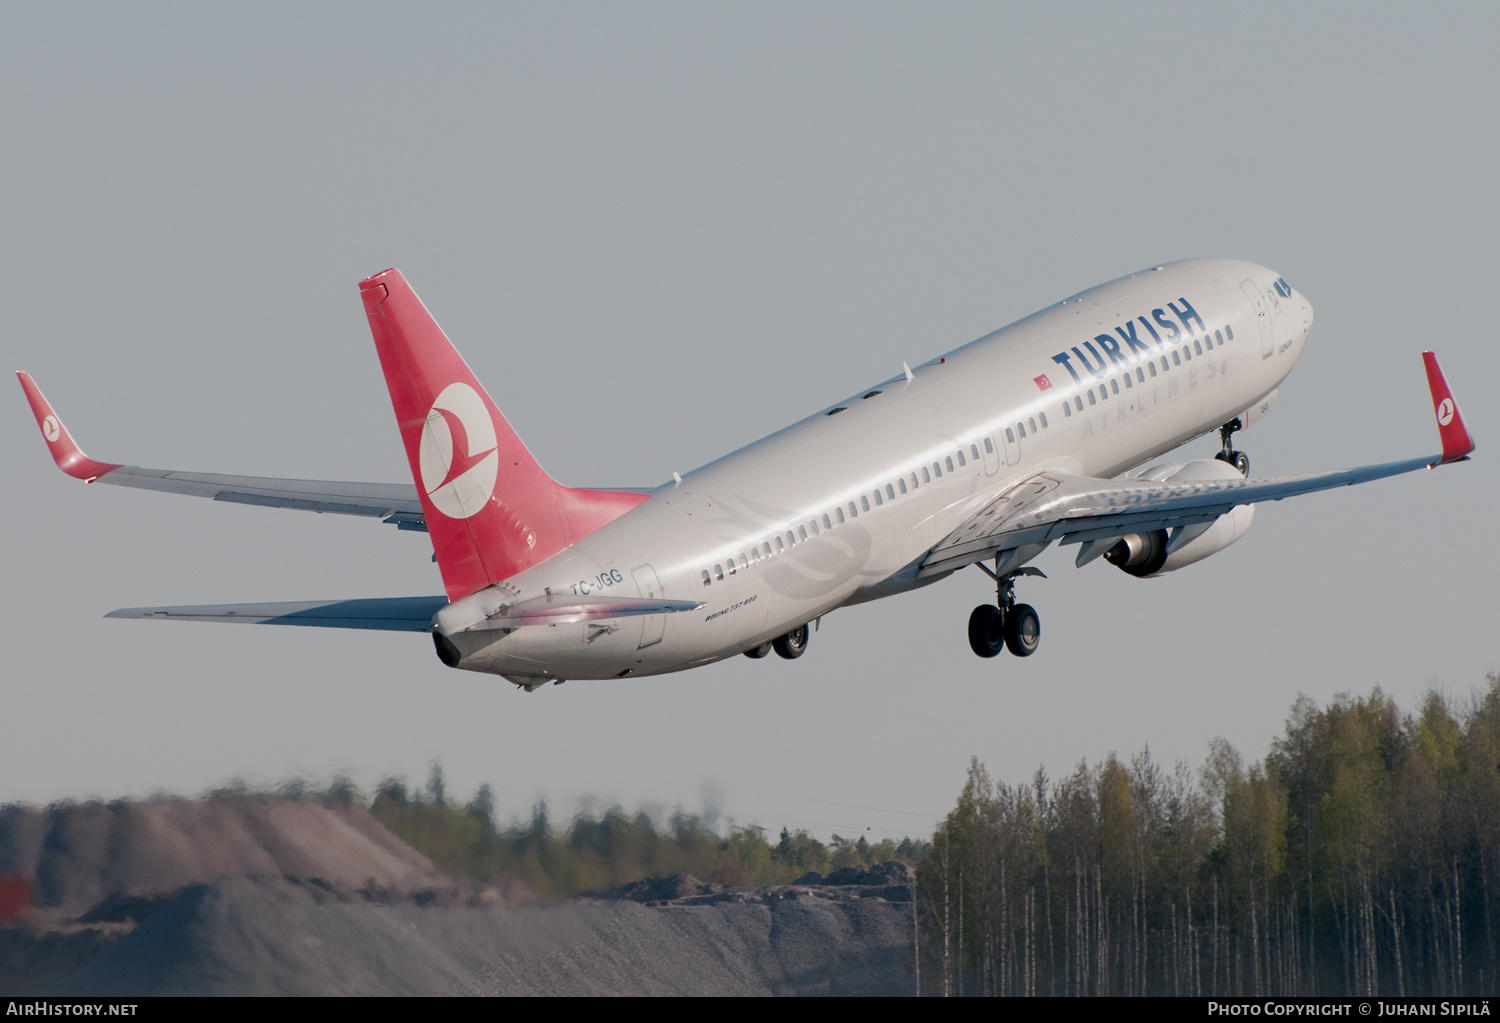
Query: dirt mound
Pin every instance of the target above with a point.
(262, 936)
(77, 856)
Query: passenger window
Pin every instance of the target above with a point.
(779, 545)
(1010, 435)
(1021, 430)
(791, 541)
(1067, 410)
(974, 450)
(706, 579)
(1078, 401)
(1164, 366)
(1187, 356)
(890, 491)
(1229, 332)
(827, 522)
(839, 514)
(1044, 418)
(1128, 383)
(989, 446)
(1218, 338)
(878, 501)
(1103, 392)
(914, 481)
(1114, 387)
(755, 555)
(1197, 348)
(853, 511)
(719, 572)
(949, 462)
(1176, 359)
(812, 525)
(961, 459)
(768, 548)
(927, 476)
(1140, 375)
(1152, 367)
(1032, 421)
(864, 502)
(802, 533)
(902, 484)
(731, 566)
(1091, 398)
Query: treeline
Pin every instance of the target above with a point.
(599, 850)
(1356, 858)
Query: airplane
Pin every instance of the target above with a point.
(985, 455)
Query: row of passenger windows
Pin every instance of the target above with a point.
(904, 484)
(1179, 356)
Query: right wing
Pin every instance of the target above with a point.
(396, 503)
(1053, 506)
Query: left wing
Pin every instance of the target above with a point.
(1054, 506)
(396, 503)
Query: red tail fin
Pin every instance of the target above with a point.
(490, 508)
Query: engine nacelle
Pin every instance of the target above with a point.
(1145, 554)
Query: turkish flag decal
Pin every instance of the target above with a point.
(1042, 383)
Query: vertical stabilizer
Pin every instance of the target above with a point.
(491, 510)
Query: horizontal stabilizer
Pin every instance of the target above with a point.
(555, 609)
(384, 614)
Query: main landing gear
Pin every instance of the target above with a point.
(1005, 623)
(1238, 459)
(791, 646)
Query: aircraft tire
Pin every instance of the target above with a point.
(1023, 630)
(1242, 463)
(757, 652)
(793, 644)
(986, 630)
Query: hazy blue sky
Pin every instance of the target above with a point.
(658, 232)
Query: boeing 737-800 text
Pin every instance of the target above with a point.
(983, 456)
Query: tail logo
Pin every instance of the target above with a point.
(459, 460)
(51, 428)
(1445, 411)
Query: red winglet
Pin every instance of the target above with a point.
(64, 452)
(1457, 444)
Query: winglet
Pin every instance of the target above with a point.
(65, 452)
(1457, 444)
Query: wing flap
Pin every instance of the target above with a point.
(555, 609)
(382, 614)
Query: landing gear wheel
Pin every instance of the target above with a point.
(987, 630)
(792, 645)
(1242, 463)
(757, 652)
(1023, 630)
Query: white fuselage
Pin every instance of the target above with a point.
(791, 527)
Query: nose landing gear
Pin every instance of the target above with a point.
(1005, 623)
(1238, 459)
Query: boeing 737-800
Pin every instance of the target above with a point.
(983, 456)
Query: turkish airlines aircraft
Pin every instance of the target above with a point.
(984, 456)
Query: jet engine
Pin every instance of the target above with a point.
(1147, 554)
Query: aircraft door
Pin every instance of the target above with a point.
(1262, 318)
(991, 456)
(652, 626)
(1012, 446)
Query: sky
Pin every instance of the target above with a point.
(658, 232)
